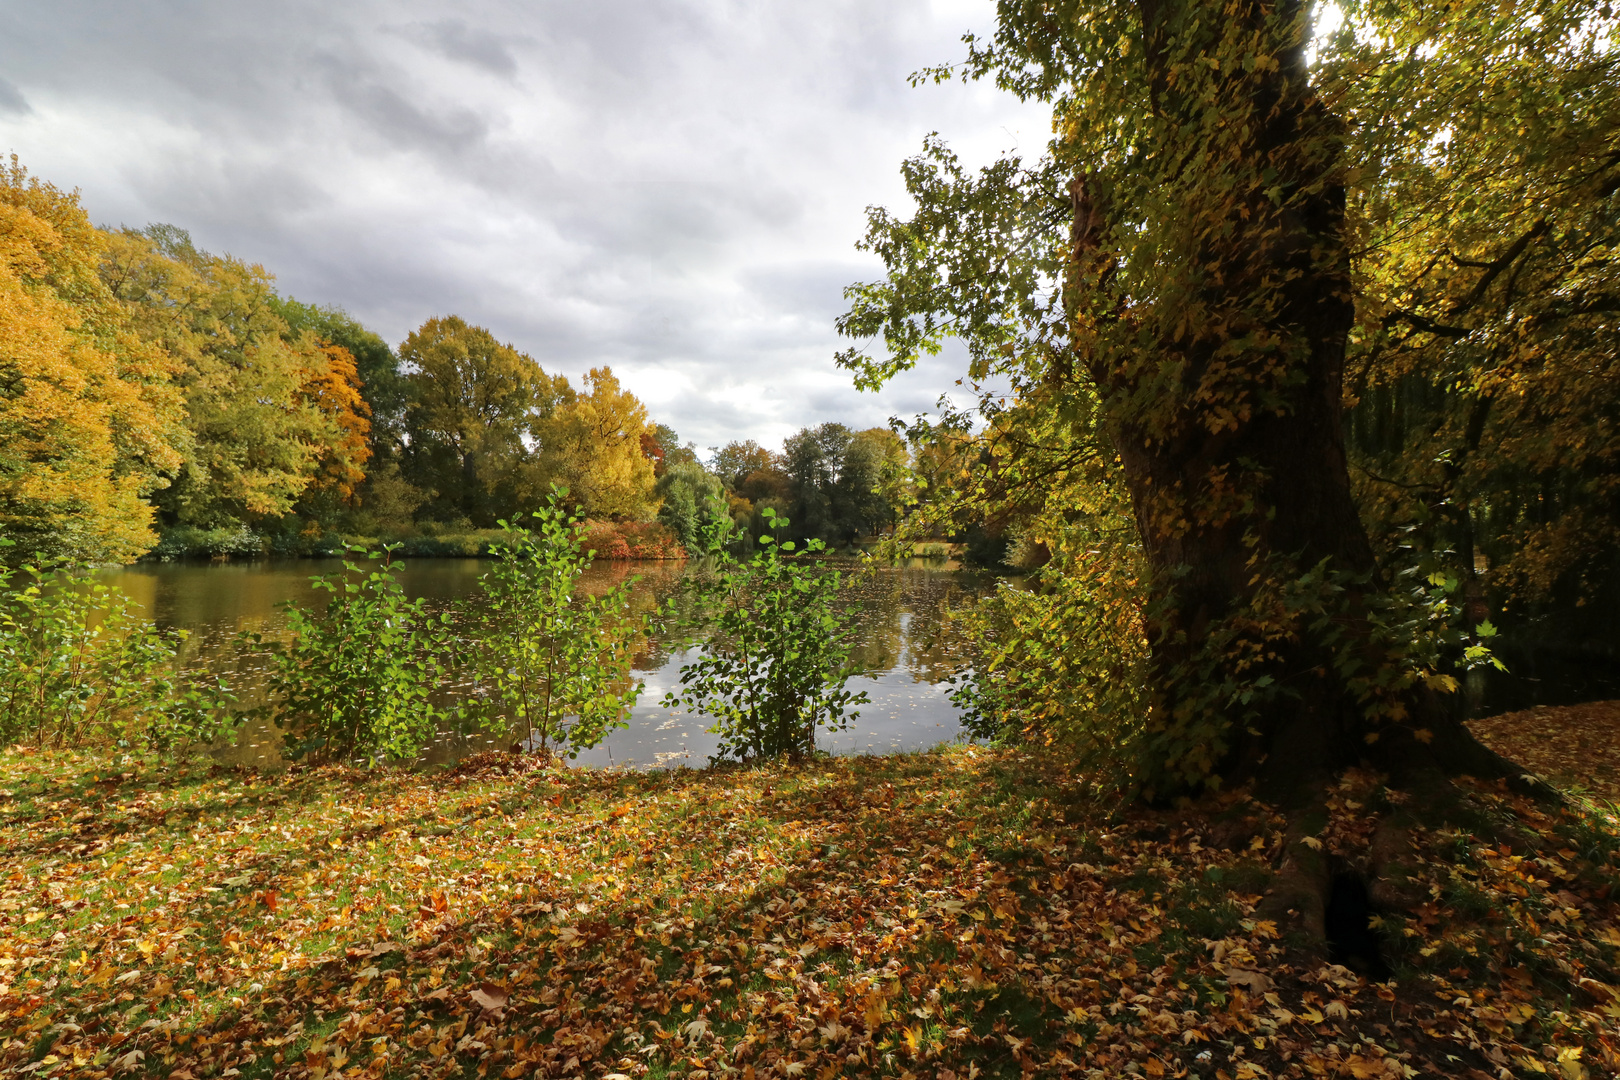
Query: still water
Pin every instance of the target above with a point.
(905, 646)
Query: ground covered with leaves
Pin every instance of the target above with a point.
(959, 914)
(1574, 746)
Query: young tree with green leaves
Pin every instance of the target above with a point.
(358, 678)
(776, 666)
(557, 657)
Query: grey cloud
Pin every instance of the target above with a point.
(454, 39)
(365, 91)
(672, 187)
(12, 100)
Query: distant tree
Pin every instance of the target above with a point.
(269, 410)
(475, 404)
(89, 423)
(669, 449)
(692, 497)
(733, 462)
(592, 444)
(872, 486)
(844, 484)
(813, 459)
(382, 384)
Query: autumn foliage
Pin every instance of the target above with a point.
(89, 421)
(967, 913)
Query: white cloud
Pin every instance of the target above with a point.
(672, 187)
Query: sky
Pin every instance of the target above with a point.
(673, 188)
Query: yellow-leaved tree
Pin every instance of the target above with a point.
(593, 444)
(89, 420)
(270, 412)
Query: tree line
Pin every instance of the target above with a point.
(155, 395)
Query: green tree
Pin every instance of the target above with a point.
(1170, 293)
(844, 484)
(474, 406)
(358, 677)
(557, 657)
(777, 665)
(693, 500)
(873, 484)
(735, 461)
(814, 459)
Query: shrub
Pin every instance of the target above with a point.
(549, 650)
(79, 664)
(776, 667)
(357, 678)
(189, 542)
(630, 540)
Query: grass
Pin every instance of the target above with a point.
(958, 914)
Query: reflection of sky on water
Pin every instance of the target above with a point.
(903, 714)
(904, 642)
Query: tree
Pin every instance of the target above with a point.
(475, 405)
(693, 500)
(383, 500)
(593, 446)
(844, 484)
(663, 446)
(89, 421)
(1170, 292)
(733, 462)
(268, 410)
(1482, 371)
(874, 480)
(813, 459)
(549, 650)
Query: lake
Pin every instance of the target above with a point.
(905, 647)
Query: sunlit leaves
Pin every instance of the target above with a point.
(968, 912)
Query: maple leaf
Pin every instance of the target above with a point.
(490, 997)
(1252, 981)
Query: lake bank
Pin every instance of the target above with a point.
(904, 648)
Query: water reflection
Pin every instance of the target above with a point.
(905, 646)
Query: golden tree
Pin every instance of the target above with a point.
(89, 423)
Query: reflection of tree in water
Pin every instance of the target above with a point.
(657, 583)
(903, 619)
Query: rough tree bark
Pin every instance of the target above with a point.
(1216, 496)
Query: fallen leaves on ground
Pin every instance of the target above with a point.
(969, 913)
(1571, 745)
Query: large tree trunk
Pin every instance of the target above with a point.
(1238, 474)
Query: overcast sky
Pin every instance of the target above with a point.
(670, 187)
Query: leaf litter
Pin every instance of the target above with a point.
(958, 914)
